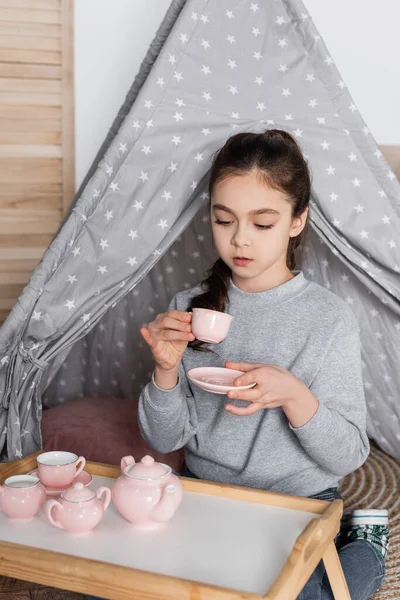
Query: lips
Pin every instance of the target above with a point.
(242, 261)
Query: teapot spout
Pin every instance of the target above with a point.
(166, 507)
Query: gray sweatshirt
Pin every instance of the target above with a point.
(303, 328)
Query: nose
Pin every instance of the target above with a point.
(239, 237)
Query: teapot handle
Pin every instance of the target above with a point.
(49, 507)
(127, 460)
(104, 490)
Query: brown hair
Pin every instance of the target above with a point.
(276, 156)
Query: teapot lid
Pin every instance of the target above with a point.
(78, 493)
(148, 468)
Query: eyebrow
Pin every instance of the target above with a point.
(260, 211)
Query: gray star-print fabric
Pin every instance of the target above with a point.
(138, 231)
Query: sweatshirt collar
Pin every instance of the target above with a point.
(274, 295)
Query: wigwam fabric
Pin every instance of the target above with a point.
(138, 230)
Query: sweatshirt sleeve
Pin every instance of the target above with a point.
(167, 418)
(336, 437)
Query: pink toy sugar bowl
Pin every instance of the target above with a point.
(21, 497)
(147, 493)
(79, 509)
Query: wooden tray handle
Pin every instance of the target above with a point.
(316, 539)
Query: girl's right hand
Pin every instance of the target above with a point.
(168, 336)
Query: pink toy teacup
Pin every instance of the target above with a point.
(59, 469)
(79, 509)
(210, 326)
(21, 497)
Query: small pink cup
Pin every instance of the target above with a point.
(21, 497)
(210, 326)
(59, 469)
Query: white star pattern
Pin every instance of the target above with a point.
(163, 224)
(229, 72)
(70, 304)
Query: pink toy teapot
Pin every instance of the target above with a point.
(79, 509)
(147, 493)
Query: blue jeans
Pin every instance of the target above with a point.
(363, 566)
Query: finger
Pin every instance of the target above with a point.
(169, 335)
(168, 322)
(243, 411)
(242, 366)
(253, 376)
(251, 395)
(146, 335)
(157, 329)
(180, 315)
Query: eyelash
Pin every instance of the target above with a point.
(226, 223)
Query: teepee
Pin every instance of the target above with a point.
(138, 230)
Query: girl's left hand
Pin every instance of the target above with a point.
(275, 387)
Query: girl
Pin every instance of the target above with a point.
(303, 426)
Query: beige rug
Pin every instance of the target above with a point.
(377, 485)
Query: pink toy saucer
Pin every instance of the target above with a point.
(216, 380)
(83, 477)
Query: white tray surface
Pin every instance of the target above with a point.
(214, 540)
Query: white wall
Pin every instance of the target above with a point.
(112, 38)
(363, 37)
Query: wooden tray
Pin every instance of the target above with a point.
(224, 542)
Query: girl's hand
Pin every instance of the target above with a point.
(168, 336)
(275, 387)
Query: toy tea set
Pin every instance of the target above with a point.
(147, 494)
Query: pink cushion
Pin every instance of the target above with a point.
(100, 429)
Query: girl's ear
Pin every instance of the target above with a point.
(298, 224)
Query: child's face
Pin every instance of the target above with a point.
(261, 236)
